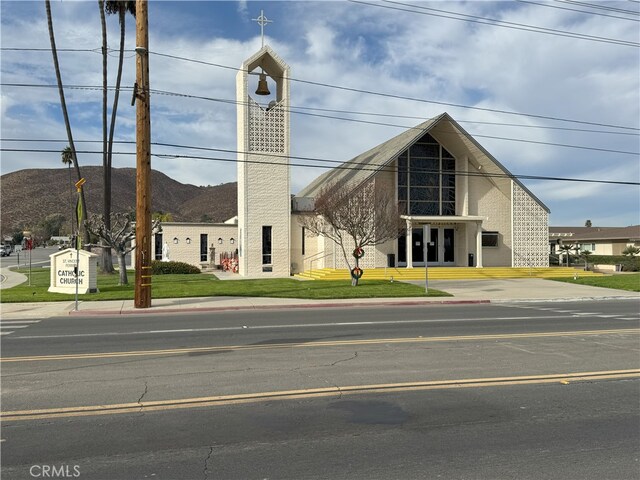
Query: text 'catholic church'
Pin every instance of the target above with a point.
(478, 213)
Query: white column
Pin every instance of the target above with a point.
(409, 244)
(479, 244)
(465, 186)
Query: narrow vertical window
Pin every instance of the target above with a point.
(158, 246)
(203, 247)
(266, 245)
(303, 232)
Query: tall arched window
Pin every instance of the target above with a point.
(426, 179)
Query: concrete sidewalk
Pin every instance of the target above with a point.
(463, 291)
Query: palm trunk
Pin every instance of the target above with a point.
(65, 114)
(107, 262)
(112, 128)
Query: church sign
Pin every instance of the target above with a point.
(64, 273)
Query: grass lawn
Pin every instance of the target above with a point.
(627, 281)
(201, 285)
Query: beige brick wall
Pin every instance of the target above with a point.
(190, 252)
(268, 203)
(263, 180)
(488, 201)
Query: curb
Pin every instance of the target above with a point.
(571, 299)
(160, 310)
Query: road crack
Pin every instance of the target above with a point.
(206, 462)
(146, 389)
(355, 355)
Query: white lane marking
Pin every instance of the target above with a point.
(11, 322)
(299, 325)
(581, 314)
(609, 316)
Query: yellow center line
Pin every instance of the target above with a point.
(219, 400)
(333, 343)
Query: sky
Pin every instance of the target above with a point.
(469, 69)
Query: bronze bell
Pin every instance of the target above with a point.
(263, 88)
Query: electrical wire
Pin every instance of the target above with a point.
(577, 10)
(343, 166)
(369, 92)
(420, 100)
(369, 122)
(600, 7)
(497, 23)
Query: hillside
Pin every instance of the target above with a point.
(28, 196)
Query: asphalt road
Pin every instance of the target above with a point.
(187, 396)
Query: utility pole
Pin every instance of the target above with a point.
(143, 160)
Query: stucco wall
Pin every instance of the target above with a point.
(300, 261)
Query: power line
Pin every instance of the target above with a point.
(369, 122)
(293, 108)
(578, 10)
(343, 166)
(48, 49)
(601, 7)
(521, 26)
(504, 124)
(498, 23)
(235, 151)
(369, 92)
(420, 100)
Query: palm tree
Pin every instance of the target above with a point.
(67, 159)
(65, 114)
(121, 8)
(107, 262)
(566, 250)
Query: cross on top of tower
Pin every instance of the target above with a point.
(262, 21)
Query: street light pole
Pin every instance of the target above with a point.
(143, 160)
(426, 238)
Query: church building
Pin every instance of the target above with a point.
(478, 213)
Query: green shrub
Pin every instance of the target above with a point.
(630, 264)
(167, 268)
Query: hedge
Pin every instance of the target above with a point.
(629, 264)
(166, 268)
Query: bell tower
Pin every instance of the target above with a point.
(264, 201)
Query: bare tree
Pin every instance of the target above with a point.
(118, 237)
(361, 215)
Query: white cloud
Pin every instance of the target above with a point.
(359, 47)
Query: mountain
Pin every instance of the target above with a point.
(27, 197)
